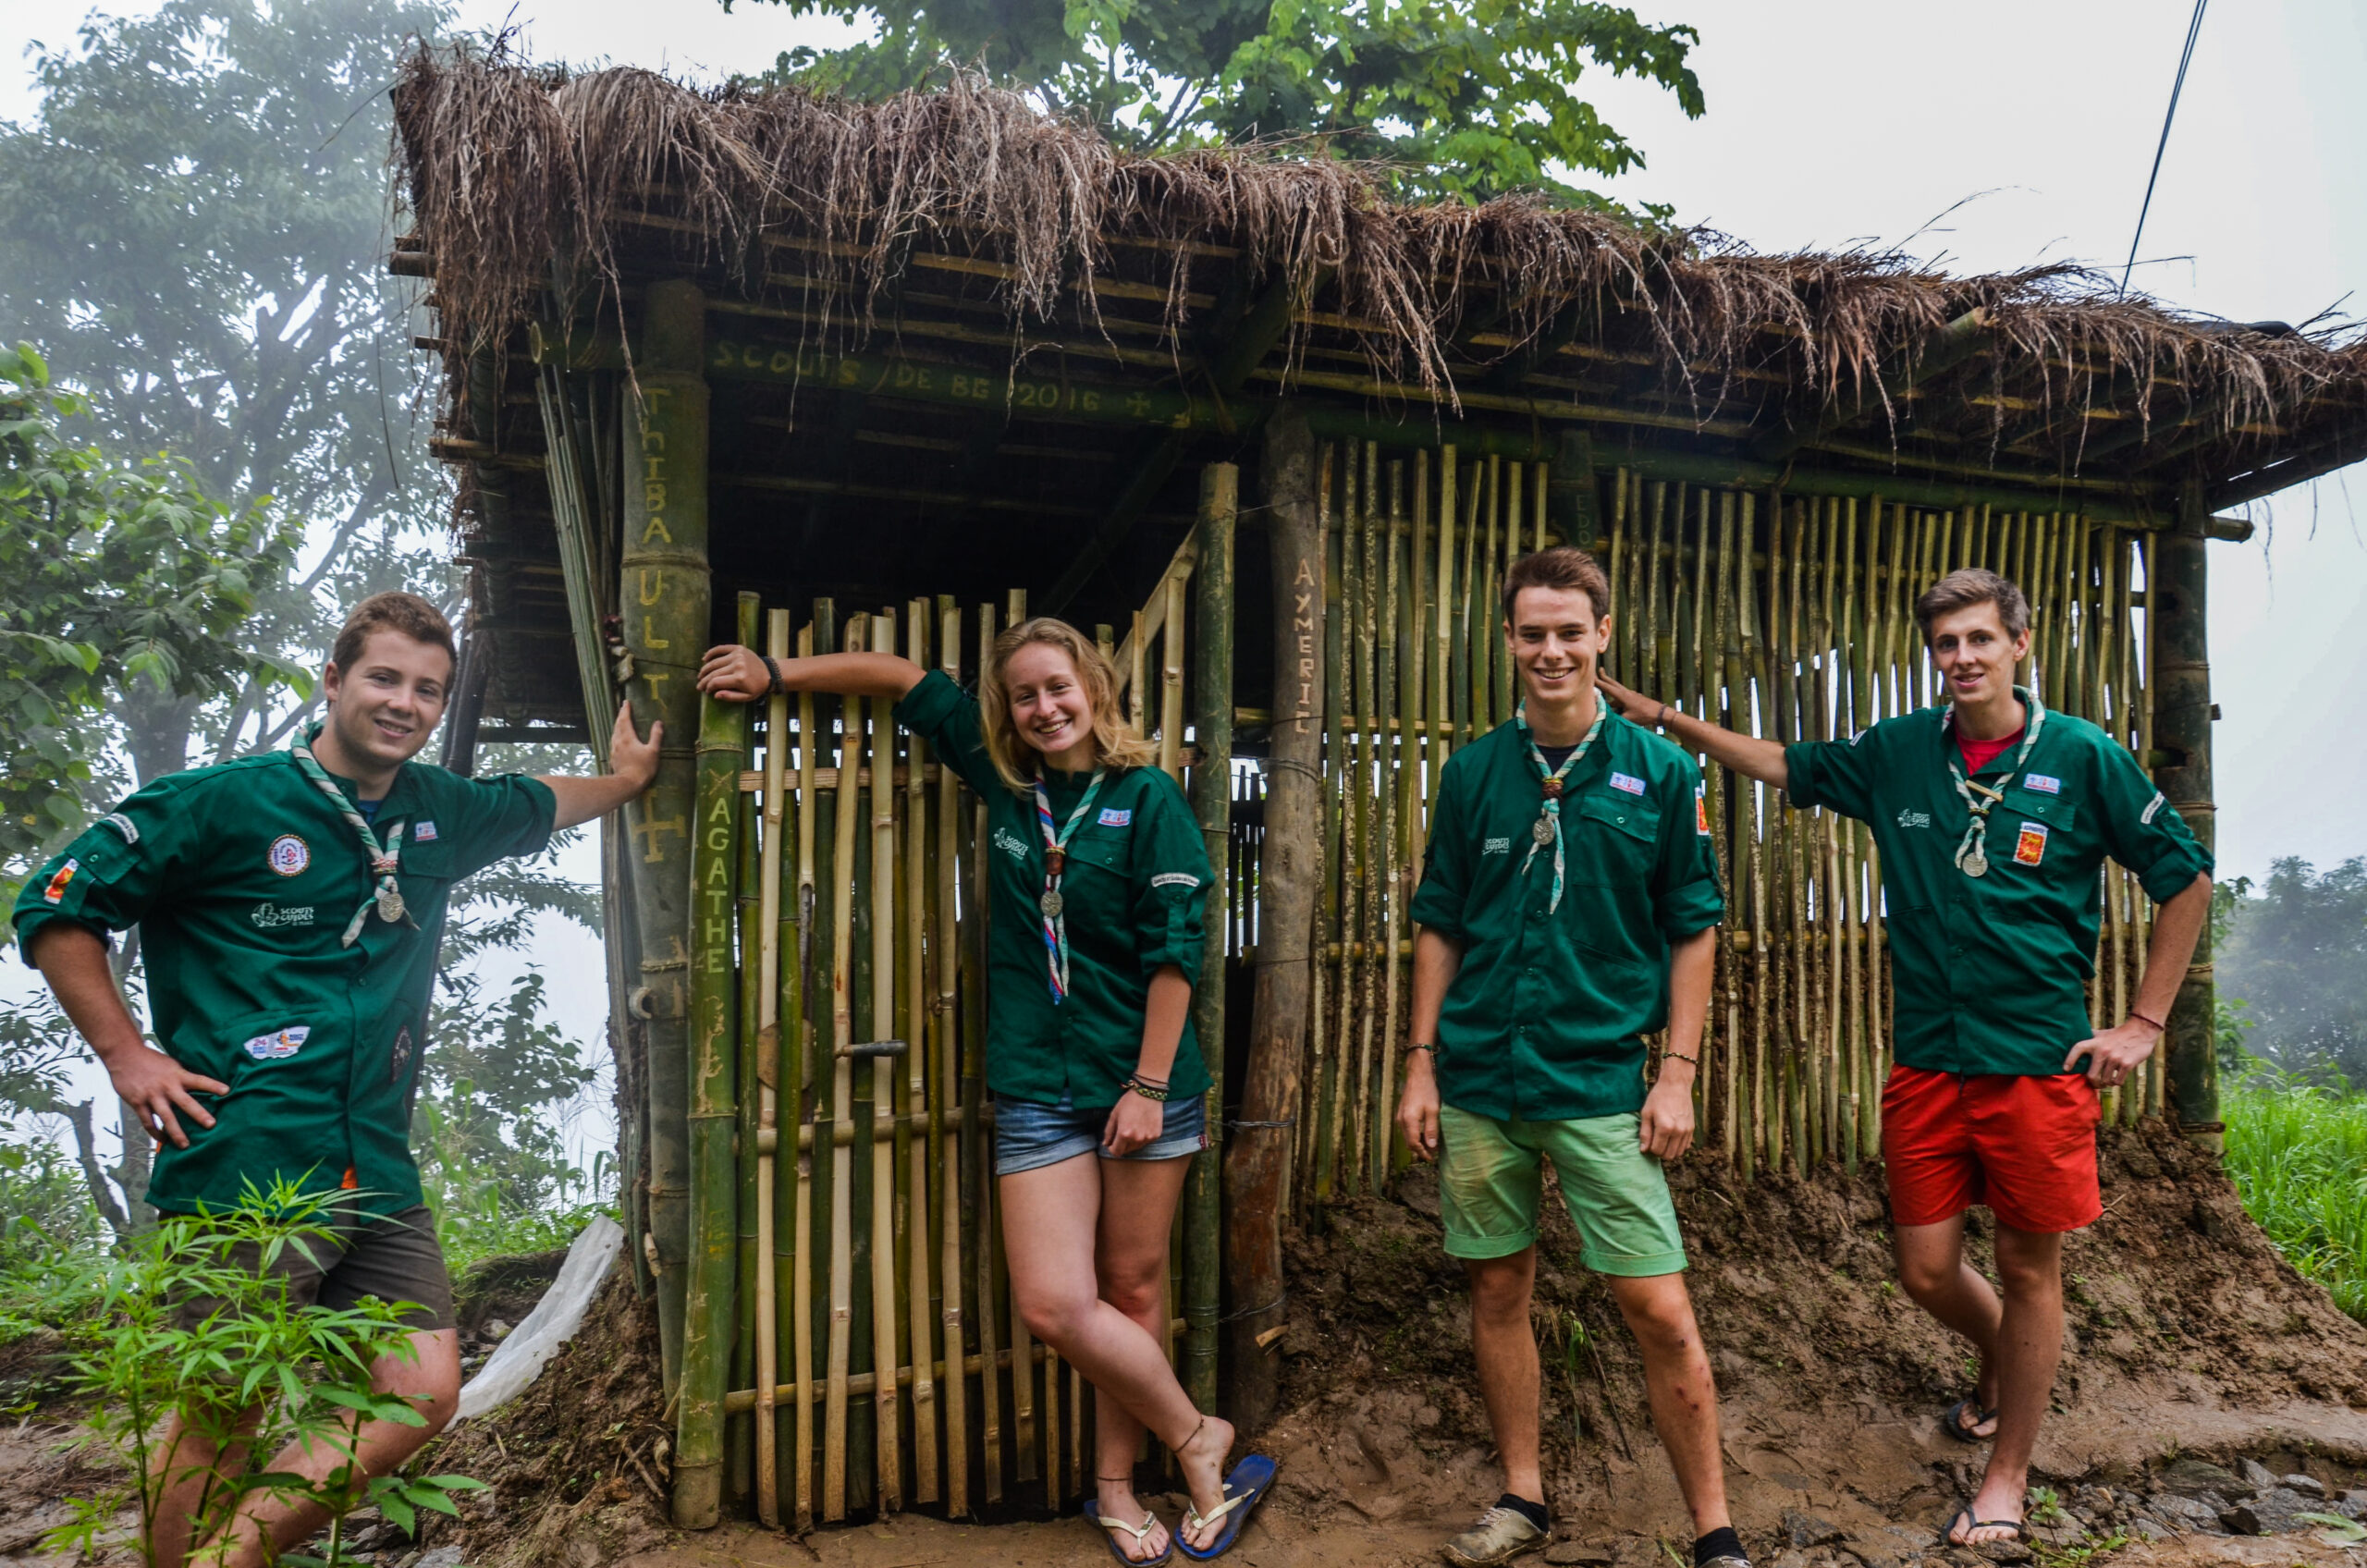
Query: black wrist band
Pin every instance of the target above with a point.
(772, 670)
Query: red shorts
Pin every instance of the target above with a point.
(2026, 1147)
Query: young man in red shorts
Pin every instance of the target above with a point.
(1993, 817)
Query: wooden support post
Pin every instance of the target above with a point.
(2180, 680)
(1212, 592)
(1257, 1167)
(664, 596)
(714, 1106)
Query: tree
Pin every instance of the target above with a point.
(1463, 98)
(2296, 955)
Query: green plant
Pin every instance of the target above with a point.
(189, 1325)
(2296, 1151)
(2045, 1506)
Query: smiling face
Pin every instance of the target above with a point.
(1049, 705)
(1556, 643)
(1974, 655)
(385, 705)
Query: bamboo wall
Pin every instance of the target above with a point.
(1784, 616)
(875, 1357)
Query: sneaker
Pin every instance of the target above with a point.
(1500, 1535)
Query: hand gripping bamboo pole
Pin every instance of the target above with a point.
(768, 1076)
(889, 1434)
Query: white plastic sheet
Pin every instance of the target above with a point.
(553, 1322)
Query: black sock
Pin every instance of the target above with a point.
(1532, 1511)
(1719, 1542)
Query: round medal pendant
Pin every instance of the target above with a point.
(1542, 832)
(1051, 903)
(1974, 864)
(390, 905)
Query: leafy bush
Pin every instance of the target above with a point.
(2298, 1152)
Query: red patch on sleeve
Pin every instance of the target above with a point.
(55, 892)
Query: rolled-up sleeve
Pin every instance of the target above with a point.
(2143, 831)
(1837, 775)
(499, 816)
(1446, 867)
(110, 877)
(947, 717)
(1686, 897)
(1170, 880)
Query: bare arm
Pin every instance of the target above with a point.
(1135, 1121)
(1763, 759)
(73, 959)
(1437, 960)
(733, 674)
(632, 763)
(2117, 1052)
(1667, 1122)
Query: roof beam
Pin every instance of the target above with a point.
(2347, 447)
(1949, 347)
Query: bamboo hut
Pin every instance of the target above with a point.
(815, 375)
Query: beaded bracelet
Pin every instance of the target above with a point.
(1680, 1056)
(1148, 1088)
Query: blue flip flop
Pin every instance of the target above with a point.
(1150, 1522)
(1244, 1490)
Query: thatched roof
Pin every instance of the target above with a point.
(967, 222)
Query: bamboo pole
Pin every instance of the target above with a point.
(1329, 1029)
(769, 1050)
(1392, 743)
(887, 1434)
(1360, 795)
(797, 1083)
(707, 1303)
(1468, 671)
(945, 1117)
(1171, 689)
(738, 1430)
(1441, 741)
(982, 1182)
(921, 1016)
(841, 1344)
(1212, 806)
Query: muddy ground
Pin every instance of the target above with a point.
(2209, 1395)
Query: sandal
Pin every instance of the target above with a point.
(1243, 1491)
(1964, 1515)
(1140, 1532)
(1955, 1425)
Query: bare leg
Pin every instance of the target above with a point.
(2030, 1345)
(1505, 1346)
(1138, 1200)
(269, 1522)
(193, 1475)
(1050, 1218)
(1932, 1266)
(1684, 1400)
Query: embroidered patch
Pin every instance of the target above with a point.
(2044, 784)
(401, 1056)
(1174, 879)
(275, 917)
(280, 1044)
(1915, 819)
(289, 854)
(1009, 844)
(423, 833)
(1116, 816)
(2029, 845)
(122, 825)
(55, 892)
(1496, 847)
(1701, 809)
(1628, 782)
(2151, 806)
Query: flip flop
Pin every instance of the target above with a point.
(1244, 1490)
(1953, 1425)
(1948, 1534)
(1140, 1532)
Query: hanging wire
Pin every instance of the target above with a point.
(2185, 57)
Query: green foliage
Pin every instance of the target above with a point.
(2296, 954)
(113, 575)
(1462, 98)
(297, 1374)
(2297, 1151)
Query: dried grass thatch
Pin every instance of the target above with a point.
(512, 171)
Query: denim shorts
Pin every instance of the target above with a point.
(1029, 1135)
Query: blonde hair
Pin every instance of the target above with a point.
(1116, 743)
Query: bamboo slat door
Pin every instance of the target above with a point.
(1786, 616)
(873, 1304)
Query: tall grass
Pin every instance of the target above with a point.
(2298, 1152)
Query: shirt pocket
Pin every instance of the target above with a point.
(425, 870)
(1616, 843)
(1095, 890)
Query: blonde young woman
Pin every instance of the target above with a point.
(1099, 881)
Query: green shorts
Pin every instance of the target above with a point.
(1490, 1174)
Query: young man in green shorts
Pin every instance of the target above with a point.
(1568, 908)
(1993, 817)
(290, 905)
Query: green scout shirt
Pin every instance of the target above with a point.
(241, 878)
(1544, 1020)
(1136, 888)
(1986, 972)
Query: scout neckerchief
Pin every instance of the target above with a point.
(1972, 852)
(387, 897)
(1055, 858)
(1546, 829)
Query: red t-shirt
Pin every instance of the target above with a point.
(1979, 754)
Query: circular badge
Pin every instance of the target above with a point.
(289, 854)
